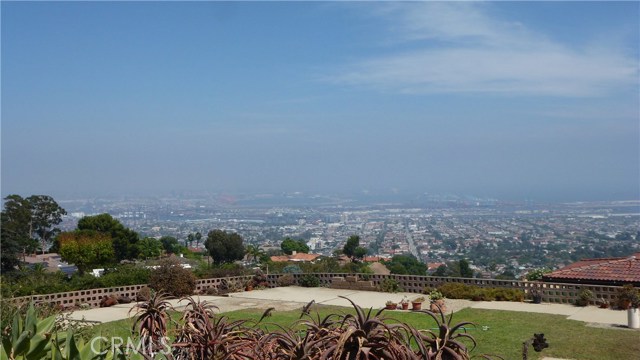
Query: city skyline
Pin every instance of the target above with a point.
(508, 100)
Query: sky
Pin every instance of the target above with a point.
(508, 100)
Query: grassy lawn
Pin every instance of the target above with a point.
(498, 332)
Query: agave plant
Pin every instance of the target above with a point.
(28, 339)
(446, 344)
(38, 339)
(151, 322)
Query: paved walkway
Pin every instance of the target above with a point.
(291, 298)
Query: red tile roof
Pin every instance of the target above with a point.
(609, 270)
(296, 257)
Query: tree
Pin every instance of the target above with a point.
(190, 239)
(171, 245)
(406, 265)
(45, 213)
(124, 239)
(465, 270)
(360, 252)
(290, 245)
(441, 270)
(149, 248)
(349, 248)
(24, 221)
(255, 253)
(197, 237)
(15, 236)
(86, 249)
(224, 247)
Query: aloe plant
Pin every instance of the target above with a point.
(151, 322)
(207, 336)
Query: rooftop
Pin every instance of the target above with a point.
(609, 271)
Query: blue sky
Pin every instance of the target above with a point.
(512, 100)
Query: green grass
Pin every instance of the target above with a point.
(504, 334)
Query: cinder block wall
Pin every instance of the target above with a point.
(552, 292)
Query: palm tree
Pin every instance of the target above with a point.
(190, 239)
(198, 237)
(254, 253)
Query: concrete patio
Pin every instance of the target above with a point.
(293, 297)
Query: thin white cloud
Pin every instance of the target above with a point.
(461, 49)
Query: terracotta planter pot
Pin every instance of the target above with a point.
(438, 306)
(416, 305)
(405, 306)
(391, 306)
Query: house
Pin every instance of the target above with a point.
(295, 257)
(51, 262)
(606, 271)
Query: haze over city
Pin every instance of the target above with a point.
(511, 100)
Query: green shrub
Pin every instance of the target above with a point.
(584, 297)
(125, 275)
(172, 278)
(435, 295)
(476, 293)
(504, 294)
(309, 281)
(222, 271)
(458, 290)
(390, 286)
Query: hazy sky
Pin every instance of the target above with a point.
(512, 100)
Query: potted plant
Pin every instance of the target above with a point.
(249, 285)
(404, 303)
(604, 304)
(437, 302)
(630, 297)
(536, 294)
(391, 305)
(625, 296)
(417, 303)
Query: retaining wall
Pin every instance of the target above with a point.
(551, 292)
(92, 297)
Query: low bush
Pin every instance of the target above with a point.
(224, 270)
(585, 297)
(125, 275)
(390, 286)
(172, 278)
(457, 291)
(476, 293)
(286, 280)
(309, 281)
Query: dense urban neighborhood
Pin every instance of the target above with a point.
(499, 239)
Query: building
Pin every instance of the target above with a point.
(606, 271)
